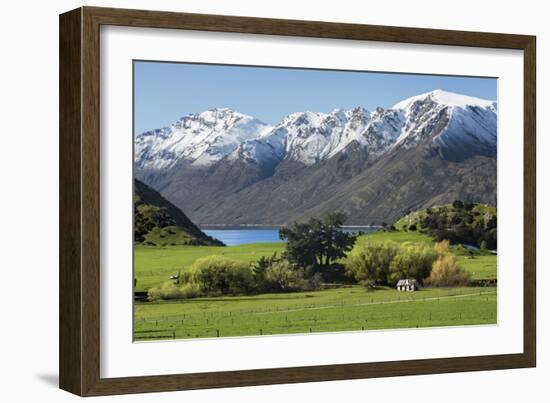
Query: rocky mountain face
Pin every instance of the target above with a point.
(223, 167)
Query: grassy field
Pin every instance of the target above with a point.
(341, 309)
(154, 265)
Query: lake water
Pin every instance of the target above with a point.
(245, 235)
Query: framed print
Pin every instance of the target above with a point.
(250, 201)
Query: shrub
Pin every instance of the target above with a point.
(170, 290)
(446, 273)
(442, 247)
(281, 275)
(314, 282)
(167, 290)
(190, 290)
(221, 275)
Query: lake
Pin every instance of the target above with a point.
(232, 236)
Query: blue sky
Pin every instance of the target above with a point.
(164, 92)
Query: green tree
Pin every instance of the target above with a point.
(372, 263)
(318, 242)
(412, 261)
(260, 269)
(282, 276)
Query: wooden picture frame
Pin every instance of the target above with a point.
(80, 186)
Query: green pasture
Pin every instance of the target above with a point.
(341, 309)
(154, 265)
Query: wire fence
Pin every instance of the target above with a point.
(405, 311)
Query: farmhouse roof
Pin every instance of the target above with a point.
(406, 281)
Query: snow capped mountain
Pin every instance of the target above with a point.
(384, 129)
(224, 167)
(202, 139)
(453, 121)
(454, 126)
(310, 137)
(444, 98)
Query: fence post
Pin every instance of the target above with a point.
(261, 332)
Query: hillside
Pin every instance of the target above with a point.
(159, 222)
(458, 222)
(223, 167)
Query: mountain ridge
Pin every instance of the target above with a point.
(307, 136)
(433, 147)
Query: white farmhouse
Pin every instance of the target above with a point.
(408, 284)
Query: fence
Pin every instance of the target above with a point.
(402, 312)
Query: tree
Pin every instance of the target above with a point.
(412, 261)
(458, 204)
(282, 276)
(259, 272)
(446, 273)
(317, 243)
(372, 263)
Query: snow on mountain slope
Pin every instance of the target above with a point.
(202, 139)
(266, 149)
(307, 137)
(310, 137)
(451, 121)
(384, 128)
(444, 98)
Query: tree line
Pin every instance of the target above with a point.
(317, 252)
(310, 258)
(386, 263)
(460, 223)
